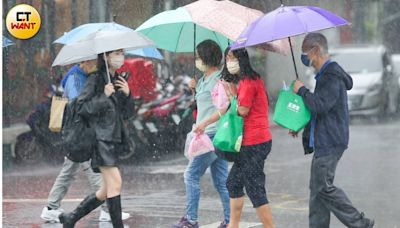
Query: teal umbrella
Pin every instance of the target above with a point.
(175, 31)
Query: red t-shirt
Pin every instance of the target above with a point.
(252, 94)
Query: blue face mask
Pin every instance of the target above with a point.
(305, 60)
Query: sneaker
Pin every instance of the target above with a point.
(105, 216)
(223, 225)
(371, 223)
(180, 222)
(185, 223)
(51, 215)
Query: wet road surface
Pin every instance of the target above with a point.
(154, 194)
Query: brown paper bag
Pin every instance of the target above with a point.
(57, 113)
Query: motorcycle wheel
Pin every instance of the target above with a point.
(27, 149)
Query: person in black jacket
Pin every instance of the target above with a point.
(105, 102)
(327, 135)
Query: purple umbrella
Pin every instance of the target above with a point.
(287, 21)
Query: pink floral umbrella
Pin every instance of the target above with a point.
(229, 19)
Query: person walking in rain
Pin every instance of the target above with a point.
(105, 105)
(247, 171)
(208, 59)
(327, 135)
(73, 83)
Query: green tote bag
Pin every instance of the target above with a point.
(290, 111)
(228, 137)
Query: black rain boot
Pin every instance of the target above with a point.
(87, 205)
(114, 208)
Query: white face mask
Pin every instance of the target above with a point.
(200, 65)
(116, 61)
(233, 66)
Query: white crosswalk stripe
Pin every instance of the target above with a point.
(242, 225)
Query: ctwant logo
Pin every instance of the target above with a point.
(23, 21)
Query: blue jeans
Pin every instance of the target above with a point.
(194, 171)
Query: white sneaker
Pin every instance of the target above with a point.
(51, 215)
(105, 216)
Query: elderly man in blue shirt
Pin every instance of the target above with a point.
(327, 135)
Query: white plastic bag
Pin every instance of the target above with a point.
(189, 137)
(200, 144)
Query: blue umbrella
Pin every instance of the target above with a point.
(85, 30)
(146, 52)
(6, 42)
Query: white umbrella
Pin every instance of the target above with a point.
(100, 42)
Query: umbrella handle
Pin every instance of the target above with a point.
(194, 51)
(294, 62)
(108, 73)
(194, 56)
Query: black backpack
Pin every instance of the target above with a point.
(78, 137)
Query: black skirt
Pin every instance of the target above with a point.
(105, 154)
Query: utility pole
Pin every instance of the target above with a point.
(74, 12)
(391, 25)
(359, 21)
(98, 11)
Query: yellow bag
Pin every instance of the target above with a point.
(57, 113)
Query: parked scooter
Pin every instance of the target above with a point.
(40, 144)
(157, 129)
(150, 126)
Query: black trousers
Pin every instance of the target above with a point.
(326, 197)
(248, 172)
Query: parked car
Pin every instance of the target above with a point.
(375, 86)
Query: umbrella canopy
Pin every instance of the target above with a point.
(84, 30)
(146, 52)
(225, 17)
(6, 42)
(175, 31)
(229, 19)
(287, 21)
(100, 42)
